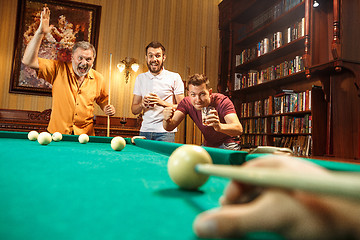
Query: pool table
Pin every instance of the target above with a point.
(68, 190)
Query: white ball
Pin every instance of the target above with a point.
(33, 135)
(118, 143)
(83, 138)
(44, 138)
(181, 166)
(57, 136)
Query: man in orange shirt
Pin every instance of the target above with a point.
(76, 86)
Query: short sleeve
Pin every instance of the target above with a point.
(137, 89)
(179, 85)
(227, 106)
(183, 106)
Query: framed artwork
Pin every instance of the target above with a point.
(71, 21)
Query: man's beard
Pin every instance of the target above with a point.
(158, 68)
(77, 72)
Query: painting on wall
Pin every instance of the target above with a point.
(70, 21)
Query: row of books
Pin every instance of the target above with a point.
(278, 125)
(249, 141)
(291, 124)
(287, 101)
(272, 42)
(272, 13)
(300, 145)
(254, 125)
(253, 77)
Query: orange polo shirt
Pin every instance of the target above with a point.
(72, 105)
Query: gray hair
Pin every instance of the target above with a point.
(84, 45)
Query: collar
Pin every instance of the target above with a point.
(159, 76)
(90, 74)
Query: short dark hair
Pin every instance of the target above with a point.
(197, 80)
(155, 44)
(84, 45)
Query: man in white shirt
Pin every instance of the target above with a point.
(154, 90)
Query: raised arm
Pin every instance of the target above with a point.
(30, 57)
(172, 118)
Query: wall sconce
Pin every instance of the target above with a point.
(316, 4)
(126, 64)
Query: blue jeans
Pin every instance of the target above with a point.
(159, 136)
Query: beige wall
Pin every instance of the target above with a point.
(127, 26)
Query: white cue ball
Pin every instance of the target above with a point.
(118, 143)
(57, 136)
(83, 138)
(44, 138)
(181, 166)
(33, 135)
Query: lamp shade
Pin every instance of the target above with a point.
(135, 67)
(121, 67)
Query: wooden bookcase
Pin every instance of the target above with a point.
(270, 48)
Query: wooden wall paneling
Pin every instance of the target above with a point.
(319, 121)
(349, 29)
(345, 116)
(321, 38)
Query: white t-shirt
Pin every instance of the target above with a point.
(166, 85)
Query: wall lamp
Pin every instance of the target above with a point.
(127, 64)
(316, 4)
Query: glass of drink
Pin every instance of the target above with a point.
(205, 111)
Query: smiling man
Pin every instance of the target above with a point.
(76, 86)
(153, 91)
(213, 113)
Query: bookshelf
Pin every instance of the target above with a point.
(282, 63)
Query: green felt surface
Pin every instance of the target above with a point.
(68, 190)
(219, 156)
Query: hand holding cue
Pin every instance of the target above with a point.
(334, 183)
(108, 117)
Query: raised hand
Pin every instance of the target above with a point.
(45, 26)
(168, 113)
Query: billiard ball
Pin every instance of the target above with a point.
(118, 143)
(33, 135)
(44, 138)
(83, 138)
(181, 166)
(57, 136)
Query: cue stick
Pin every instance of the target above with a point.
(108, 117)
(334, 183)
(204, 72)
(204, 60)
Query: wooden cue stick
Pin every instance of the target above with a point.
(334, 183)
(108, 117)
(204, 60)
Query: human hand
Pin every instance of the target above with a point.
(168, 113)
(44, 26)
(109, 110)
(212, 119)
(154, 99)
(293, 214)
